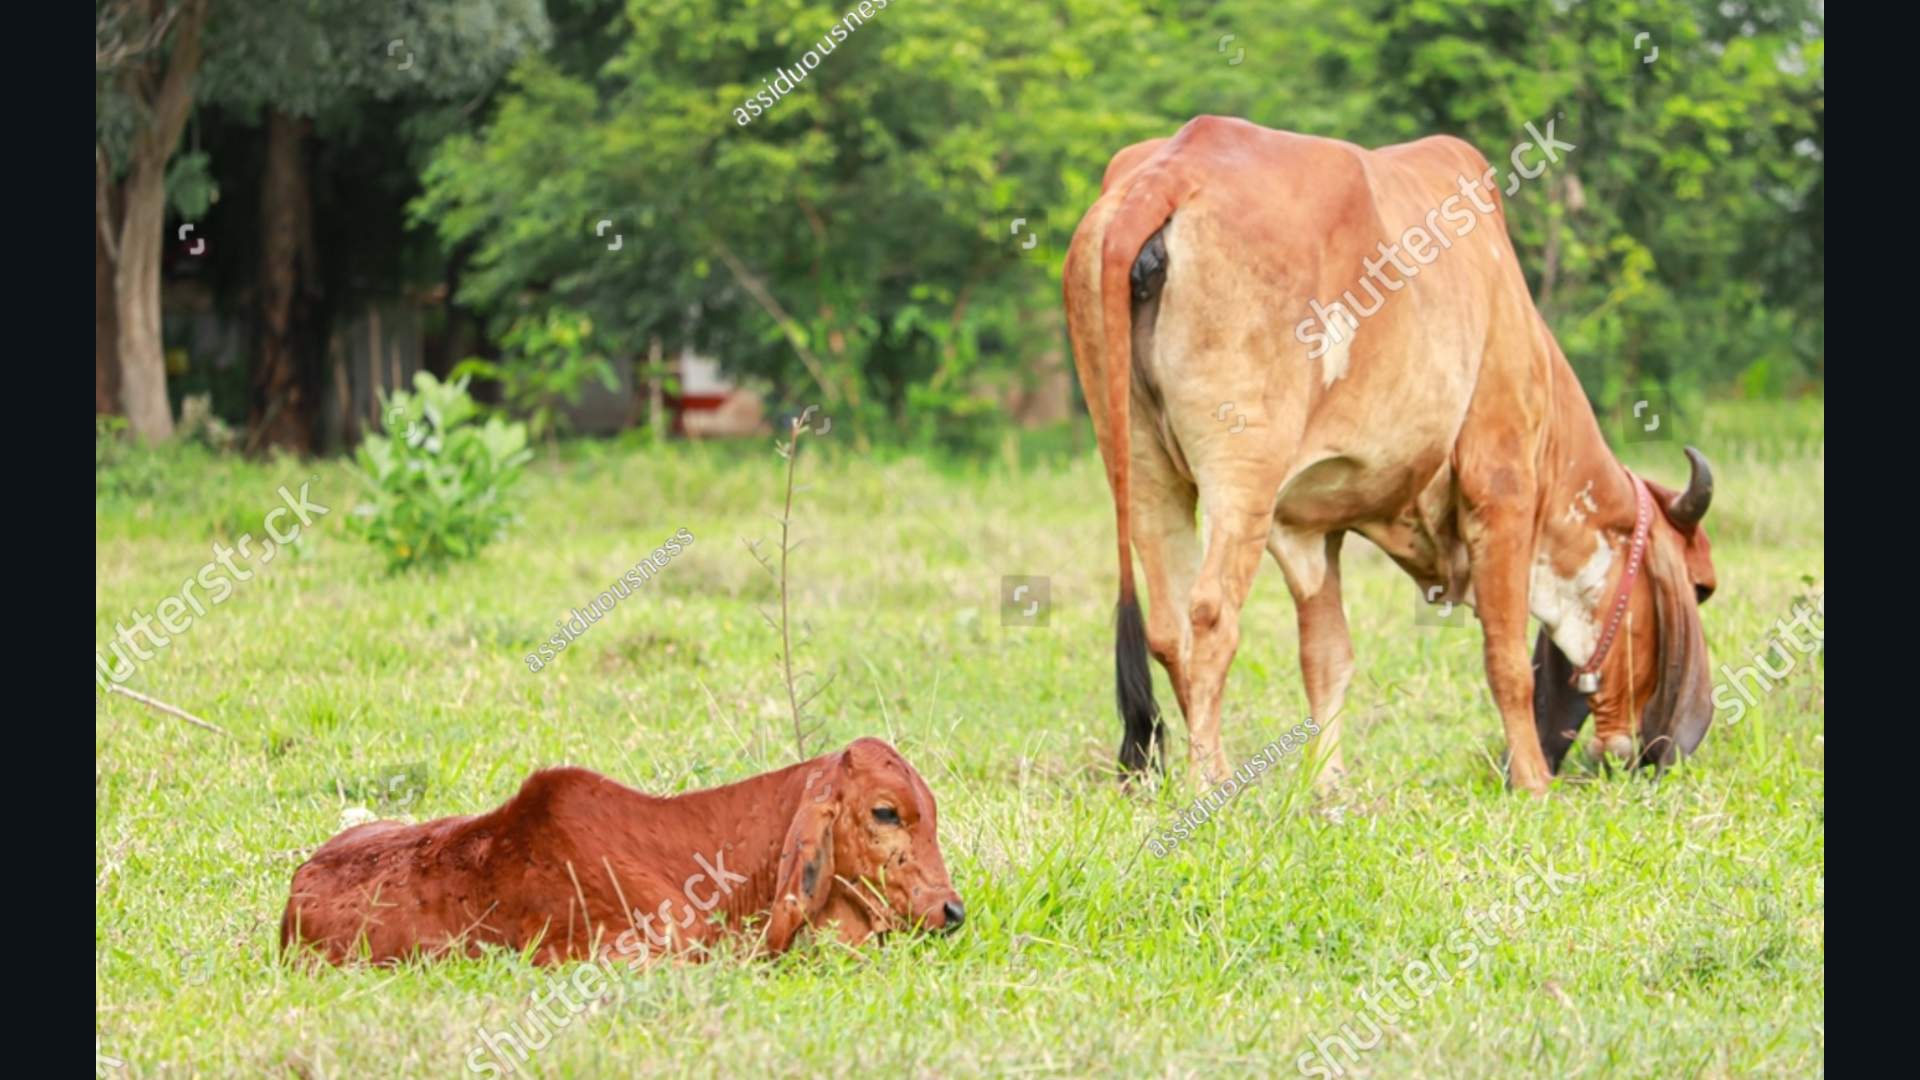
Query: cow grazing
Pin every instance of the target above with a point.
(576, 865)
(1240, 360)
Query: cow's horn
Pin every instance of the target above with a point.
(1690, 506)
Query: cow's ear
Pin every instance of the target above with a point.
(1678, 714)
(1559, 711)
(804, 879)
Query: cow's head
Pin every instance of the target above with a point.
(863, 849)
(1657, 669)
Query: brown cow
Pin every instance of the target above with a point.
(576, 864)
(1447, 428)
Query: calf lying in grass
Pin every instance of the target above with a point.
(576, 863)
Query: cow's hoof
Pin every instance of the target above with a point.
(1611, 751)
(1530, 782)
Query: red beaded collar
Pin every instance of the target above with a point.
(1587, 679)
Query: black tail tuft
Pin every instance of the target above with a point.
(1150, 268)
(1145, 739)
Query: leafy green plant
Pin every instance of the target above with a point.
(107, 435)
(123, 467)
(440, 480)
(550, 362)
(191, 188)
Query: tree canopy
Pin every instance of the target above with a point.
(847, 236)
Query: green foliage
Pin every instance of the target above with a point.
(1685, 239)
(190, 185)
(309, 56)
(550, 362)
(1679, 243)
(122, 468)
(440, 483)
(868, 190)
(128, 472)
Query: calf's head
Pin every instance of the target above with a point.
(863, 851)
(1657, 669)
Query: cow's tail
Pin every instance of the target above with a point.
(1133, 267)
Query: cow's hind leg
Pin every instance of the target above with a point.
(1237, 518)
(1311, 563)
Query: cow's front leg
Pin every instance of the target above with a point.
(1164, 537)
(1500, 550)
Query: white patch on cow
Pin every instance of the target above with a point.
(1570, 608)
(1582, 505)
(1334, 361)
(1495, 248)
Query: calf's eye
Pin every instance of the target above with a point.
(886, 815)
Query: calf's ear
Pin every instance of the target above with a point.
(805, 876)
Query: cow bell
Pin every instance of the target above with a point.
(1587, 682)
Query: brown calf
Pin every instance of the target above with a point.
(576, 864)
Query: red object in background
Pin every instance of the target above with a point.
(709, 405)
(702, 389)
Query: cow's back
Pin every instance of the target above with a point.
(1275, 233)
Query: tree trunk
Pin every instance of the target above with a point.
(283, 388)
(106, 326)
(454, 343)
(136, 289)
(168, 98)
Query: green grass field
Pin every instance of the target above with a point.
(1692, 943)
